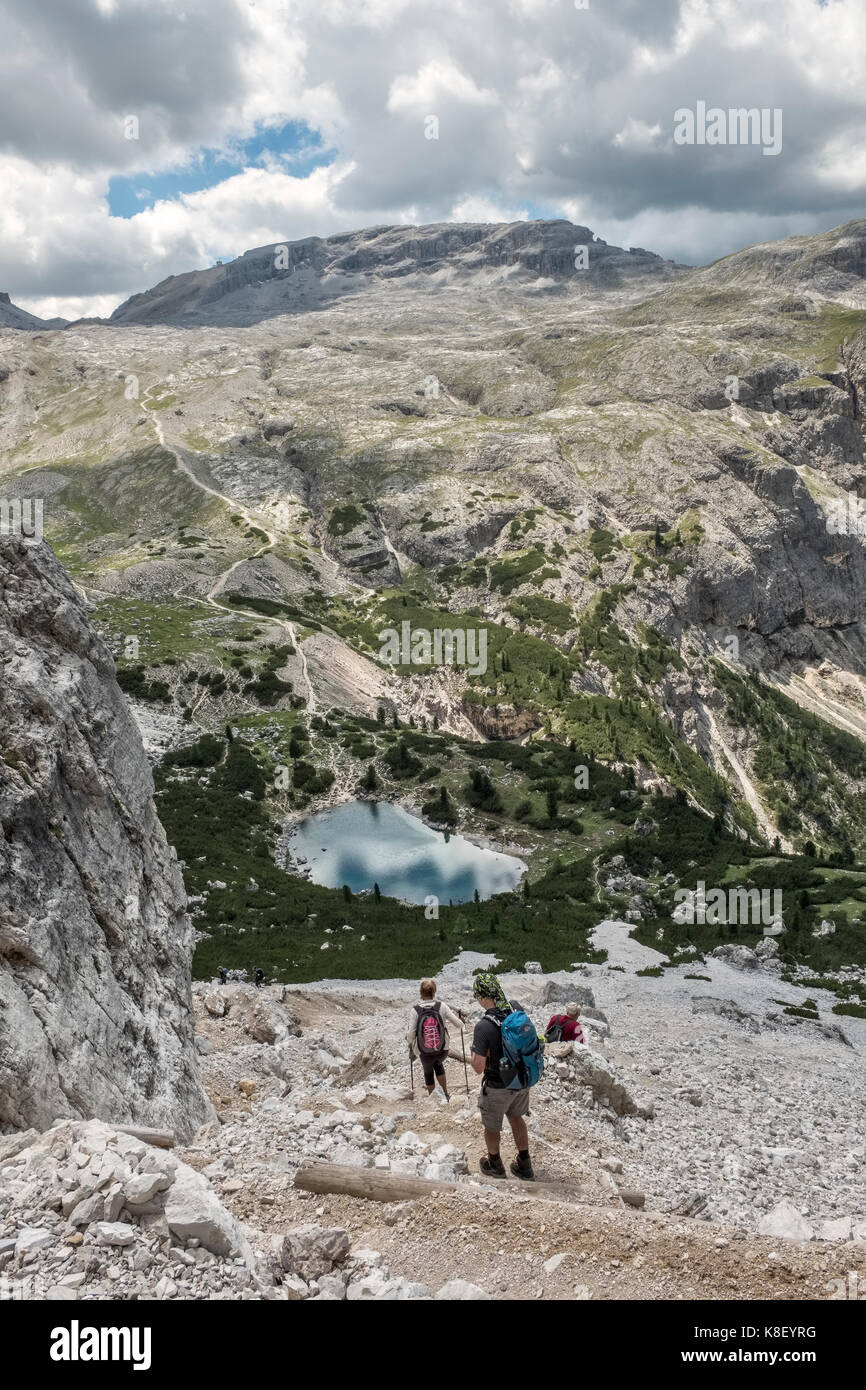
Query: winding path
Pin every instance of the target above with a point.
(252, 519)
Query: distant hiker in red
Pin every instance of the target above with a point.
(427, 1035)
(565, 1027)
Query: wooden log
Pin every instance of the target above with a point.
(159, 1138)
(372, 1183)
(376, 1185)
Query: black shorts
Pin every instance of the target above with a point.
(431, 1065)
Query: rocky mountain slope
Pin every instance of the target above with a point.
(95, 942)
(642, 481)
(831, 265)
(693, 1148)
(13, 317)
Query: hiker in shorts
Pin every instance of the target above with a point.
(496, 1102)
(565, 1027)
(427, 1035)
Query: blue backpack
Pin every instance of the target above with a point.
(522, 1062)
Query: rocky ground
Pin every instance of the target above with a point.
(702, 1144)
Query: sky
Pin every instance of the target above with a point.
(144, 138)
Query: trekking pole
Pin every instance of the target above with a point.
(463, 1050)
(411, 1071)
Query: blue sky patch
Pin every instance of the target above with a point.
(296, 145)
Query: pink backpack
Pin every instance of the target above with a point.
(430, 1030)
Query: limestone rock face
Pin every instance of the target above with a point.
(262, 282)
(95, 943)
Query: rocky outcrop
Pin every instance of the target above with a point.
(95, 943)
(831, 264)
(501, 722)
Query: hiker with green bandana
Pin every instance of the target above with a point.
(507, 1054)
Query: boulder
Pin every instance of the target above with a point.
(12, 1144)
(332, 1287)
(113, 1233)
(32, 1238)
(193, 1212)
(89, 1209)
(727, 1009)
(785, 1222)
(555, 992)
(767, 949)
(459, 1289)
(739, 957)
(377, 1287)
(144, 1186)
(311, 1251)
(600, 1077)
(840, 1229)
(601, 1028)
(265, 1020)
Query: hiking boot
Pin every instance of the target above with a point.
(492, 1167)
(522, 1168)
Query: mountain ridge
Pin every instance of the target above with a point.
(313, 270)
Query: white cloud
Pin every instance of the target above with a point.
(435, 83)
(544, 109)
(486, 210)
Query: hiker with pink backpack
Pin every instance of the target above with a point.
(427, 1035)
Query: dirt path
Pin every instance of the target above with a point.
(252, 519)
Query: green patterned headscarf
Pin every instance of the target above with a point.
(487, 986)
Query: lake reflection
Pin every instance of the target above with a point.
(367, 842)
